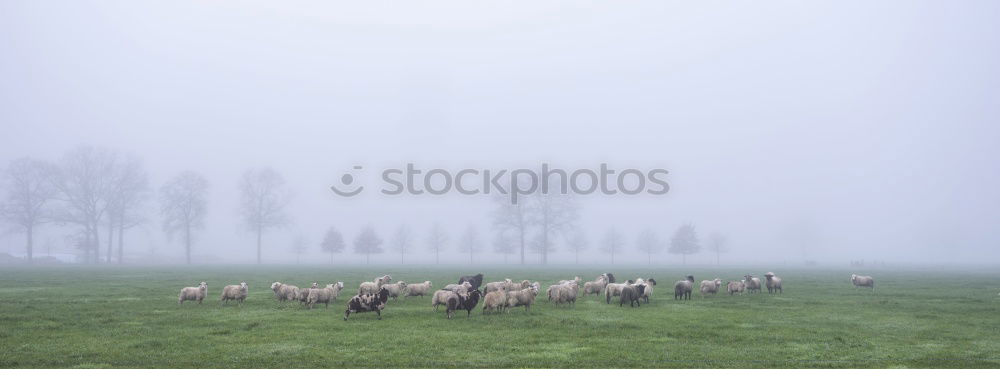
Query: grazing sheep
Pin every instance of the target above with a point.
(193, 293)
(236, 292)
(459, 288)
(773, 283)
(495, 301)
(735, 287)
(501, 285)
(284, 292)
(524, 297)
(324, 295)
(372, 287)
(682, 289)
(859, 281)
(368, 302)
(710, 287)
(419, 289)
(475, 280)
(575, 279)
(395, 289)
(631, 293)
(751, 284)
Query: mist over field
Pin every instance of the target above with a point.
(800, 133)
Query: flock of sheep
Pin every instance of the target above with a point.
(497, 296)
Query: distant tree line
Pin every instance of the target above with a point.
(101, 194)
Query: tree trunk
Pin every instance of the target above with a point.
(97, 243)
(612, 255)
(522, 245)
(716, 258)
(649, 258)
(545, 247)
(111, 237)
(260, 230)
(578, 257)
(187, 242)
(31, 242)
(368, 258)
(437, 257)
(331, 258)
(470, 257)
(402, 257)
(684, 258)
(121, 239)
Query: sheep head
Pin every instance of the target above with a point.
(690, 278)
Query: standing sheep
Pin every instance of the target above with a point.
(682, 289)
(395, 289)
(193, 293)
(495, 301)
(612, 290)
(475, 280)
(284, 292)
(466, 302)
(735, 287)
(236, 292)
(302, 296)
(324, 295)
(773, 283)
(631, 293)
(372, 287)
(751, 284)
(710, 287)
(464, 287)
(862, 281)
(501, 285)
(524, 297)
(564, 292)
(419, 289)
(647, 290)
(597, 286)
(441, 298)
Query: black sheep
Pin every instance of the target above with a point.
(474, 280)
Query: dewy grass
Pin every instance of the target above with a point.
(94, 317)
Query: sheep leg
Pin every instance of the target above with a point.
(347, 313)
(379, 313)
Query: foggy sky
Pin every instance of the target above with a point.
(875, 124)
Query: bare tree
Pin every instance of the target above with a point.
(183, 205)
(264, 199)
(504, 244)
(29, 192)
(685, 242)
(649, 243)
(470, 242)
(718, 243)
(437, 239)
(130, 189)
(577, 243)
(299, 246)
(401, 241)
(368, 243)
(86, 181)
(614, 242)
(552, 213)
(512, 218)
(333, 242)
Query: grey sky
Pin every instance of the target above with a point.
(873, 123)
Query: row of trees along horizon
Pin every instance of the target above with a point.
(97, 190)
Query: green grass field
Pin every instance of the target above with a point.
(103, 317)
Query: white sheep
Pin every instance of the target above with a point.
(773, 283)
(863, 281)
(193, 293)
(236, 292)
(495, 301)
(751, 283)
(597, 286)
(735, 287)
(284, 292)
(565, 292)
(524, 297)
(324, 295)
(459, 288)
(440, 297)
(395, 289)
(418, 289)
(302, 295)
(647, 290)
(682, 289)
(501, 285)
(710, 287)
(612, 290)
(372, 287)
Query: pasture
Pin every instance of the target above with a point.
(108, 317)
